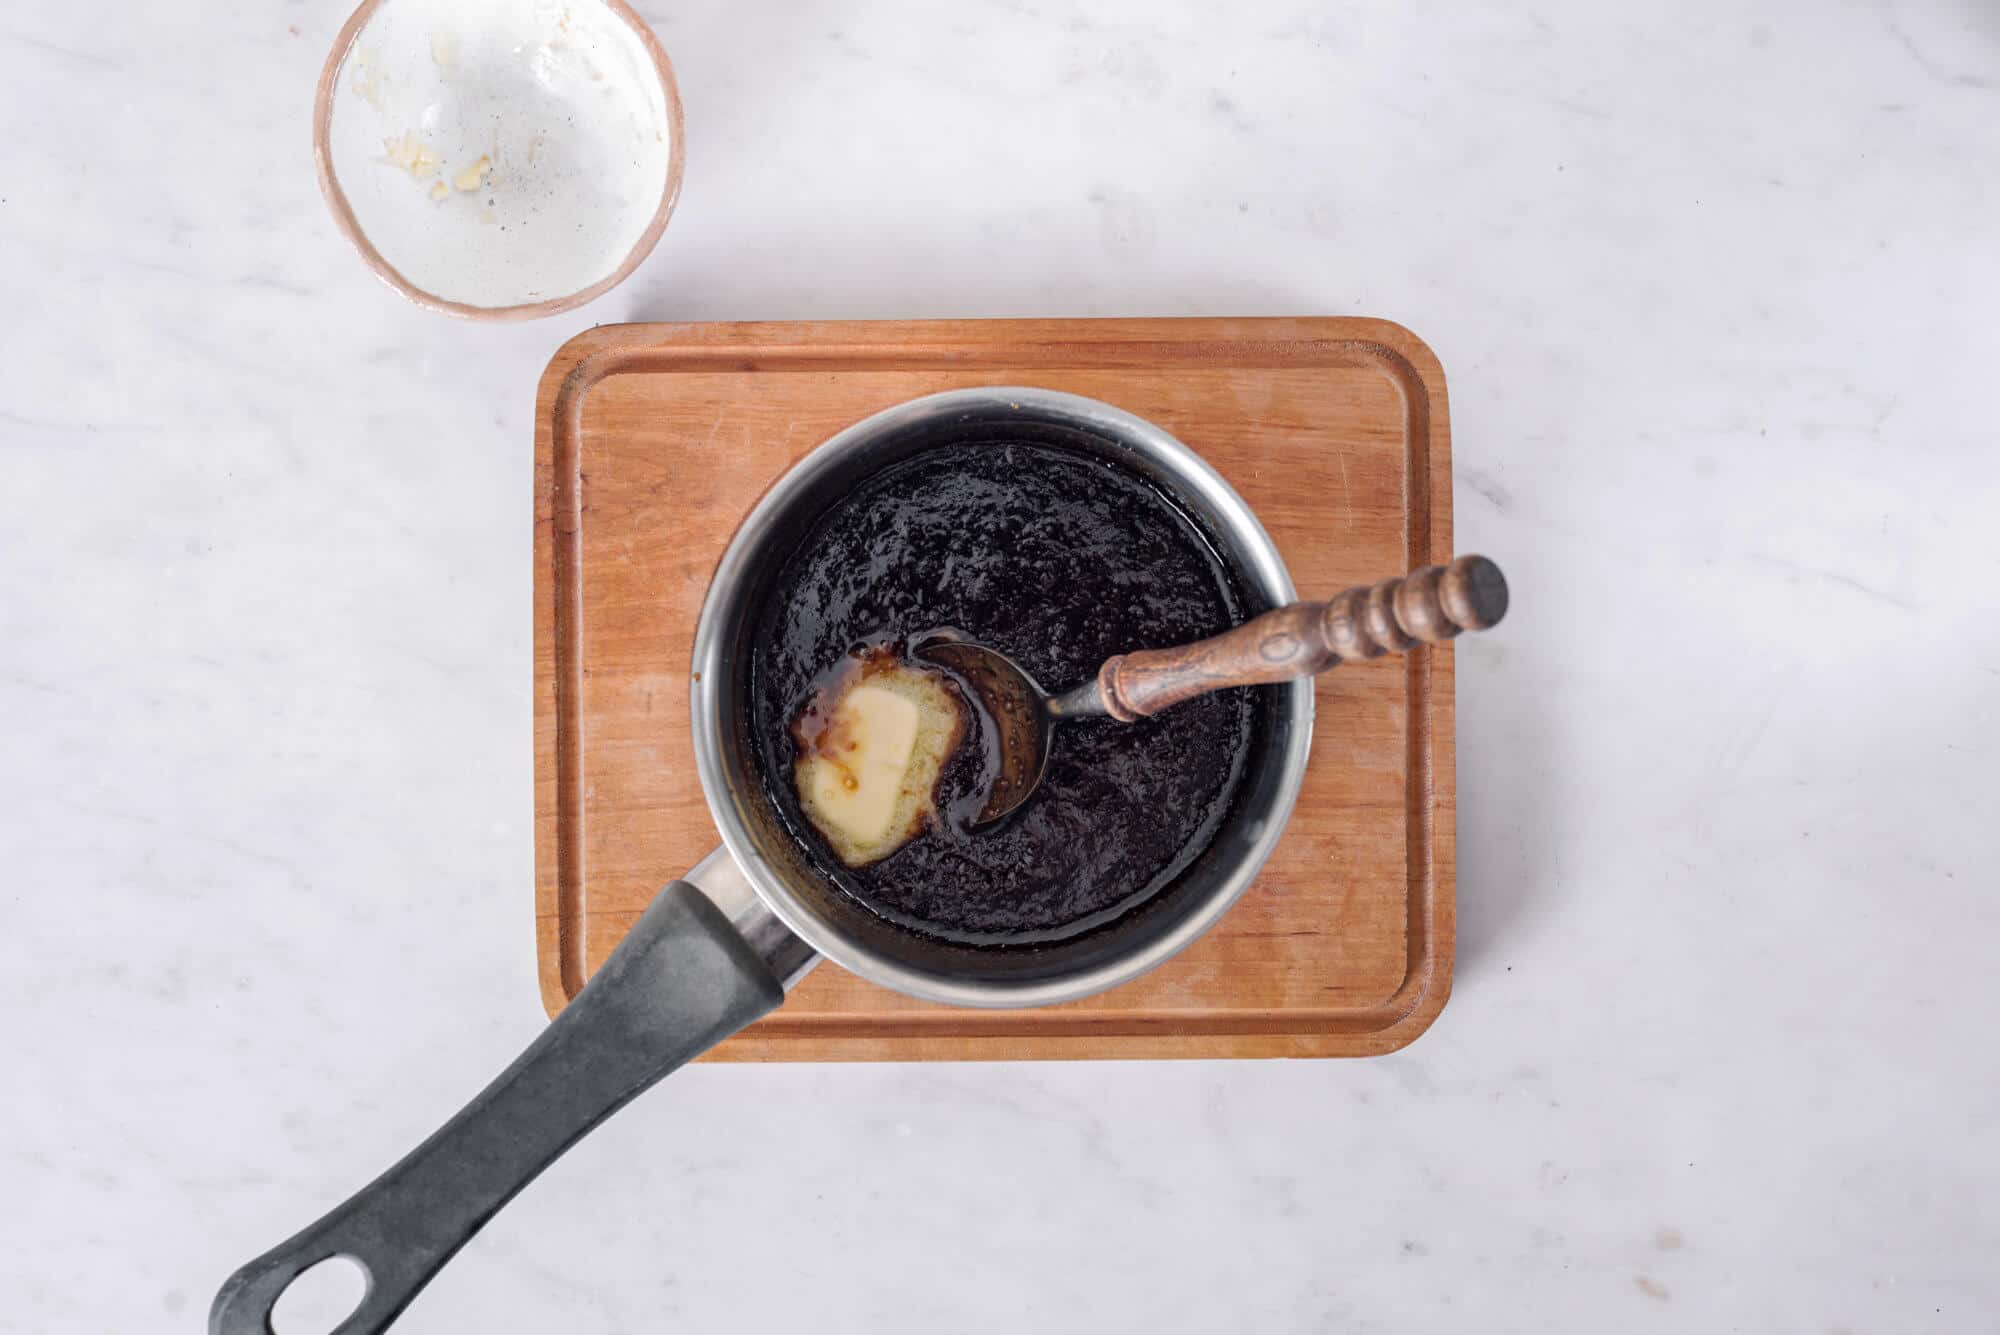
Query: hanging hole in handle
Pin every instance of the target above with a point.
(320, 1297)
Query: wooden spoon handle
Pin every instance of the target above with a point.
(1426, 606)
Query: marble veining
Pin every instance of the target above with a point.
(1714, 288)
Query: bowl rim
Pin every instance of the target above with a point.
(350, 227)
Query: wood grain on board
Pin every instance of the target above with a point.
(652, 441)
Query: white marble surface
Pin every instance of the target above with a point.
(1715, 287)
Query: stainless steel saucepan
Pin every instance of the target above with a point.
(720, 947)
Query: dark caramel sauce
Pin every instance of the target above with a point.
(1058, 560)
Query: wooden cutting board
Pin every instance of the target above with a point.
(651, 442)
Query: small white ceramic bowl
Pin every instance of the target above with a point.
(499, 159)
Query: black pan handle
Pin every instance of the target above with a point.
(681, 981)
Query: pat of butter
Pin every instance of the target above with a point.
(867, 779)
(858, 783)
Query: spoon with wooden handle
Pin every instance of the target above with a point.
(1426, 606)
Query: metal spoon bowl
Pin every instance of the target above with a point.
(1021, 714)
